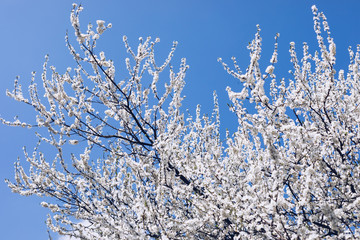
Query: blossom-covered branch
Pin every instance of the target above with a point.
(146, 170)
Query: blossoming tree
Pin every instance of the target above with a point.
(149, 171)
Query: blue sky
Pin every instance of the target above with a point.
(205, 31)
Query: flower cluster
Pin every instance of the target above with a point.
(146, 170)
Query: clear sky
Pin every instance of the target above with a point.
(205, 31)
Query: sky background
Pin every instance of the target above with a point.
(205, 31)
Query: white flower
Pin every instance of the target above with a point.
(270, 69)
(73, 142)
(100, 23)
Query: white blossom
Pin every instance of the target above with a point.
(73, 142)
(147, 170)
(270, 69)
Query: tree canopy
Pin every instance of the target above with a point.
(150, 170)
